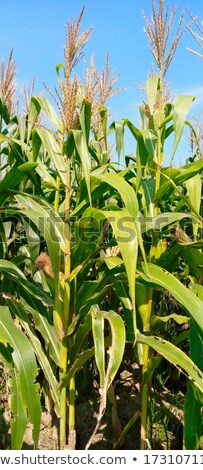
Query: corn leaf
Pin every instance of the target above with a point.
(175, 356)
(115, 356)
(19, 422)
(50, 225)
(181, 109)
(48, 109)
(126, 191)
(98, 336)
(194, 186)
(118, 127)
(82, 149)
(192, 419)
(186, 298)
(26, 370)
(15, 274)
(126, 236)
(53, 149)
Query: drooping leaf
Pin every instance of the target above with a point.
(45, 364)
(115, 356)
(34, 110)
(41, 321)
(126, 191)
(48, 109)
(171, 179)
(157, 322)
(181, 109)
(26, 369)
(164, 279)
(98, 336)
(194, 186)
(174, 355)
(16, 275)
(126, 236)
(51, 226)
(118, 127)
(53, 149)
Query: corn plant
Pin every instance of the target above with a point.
(88, 252)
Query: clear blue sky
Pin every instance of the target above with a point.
(36, 30)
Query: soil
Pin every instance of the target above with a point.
(128, 398)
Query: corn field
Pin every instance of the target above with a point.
(101, 261)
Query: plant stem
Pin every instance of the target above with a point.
(159, 135)
(72, 434)
(63, 401)
(57, 193)
(145, 398)
(66, 312)
(145, 385)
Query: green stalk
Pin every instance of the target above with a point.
(159, 142)
(145, 308)
(57, 194)
(71, 432)
(144, 400)
(66, 312)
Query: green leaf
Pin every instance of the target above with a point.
(45, 175)
(194, 399)
(152, 84)
(4, 112)
(156, 322)
(20, 312)
(53, 149)
(98, 336)
(163, 220)
(117, 345)
(41, 321)
(196, 344)
(197, 289)
(116, 352)
(192, 419)
(82, 149)
(175, 356)
(150, 141)
(181, 109)
(19, 422)
(16, 275)
(126, 191)
(126, 236)
(34, 110)
(129, 198)
(147, 191)
(48, 109)
(194, 187)
(184, 296)
(176, 177)
(119, 128)
(14, 177)
(26, 369)
(137, 134)
(50, 225)
(84, 111)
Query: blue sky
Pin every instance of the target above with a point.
(36, 30)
